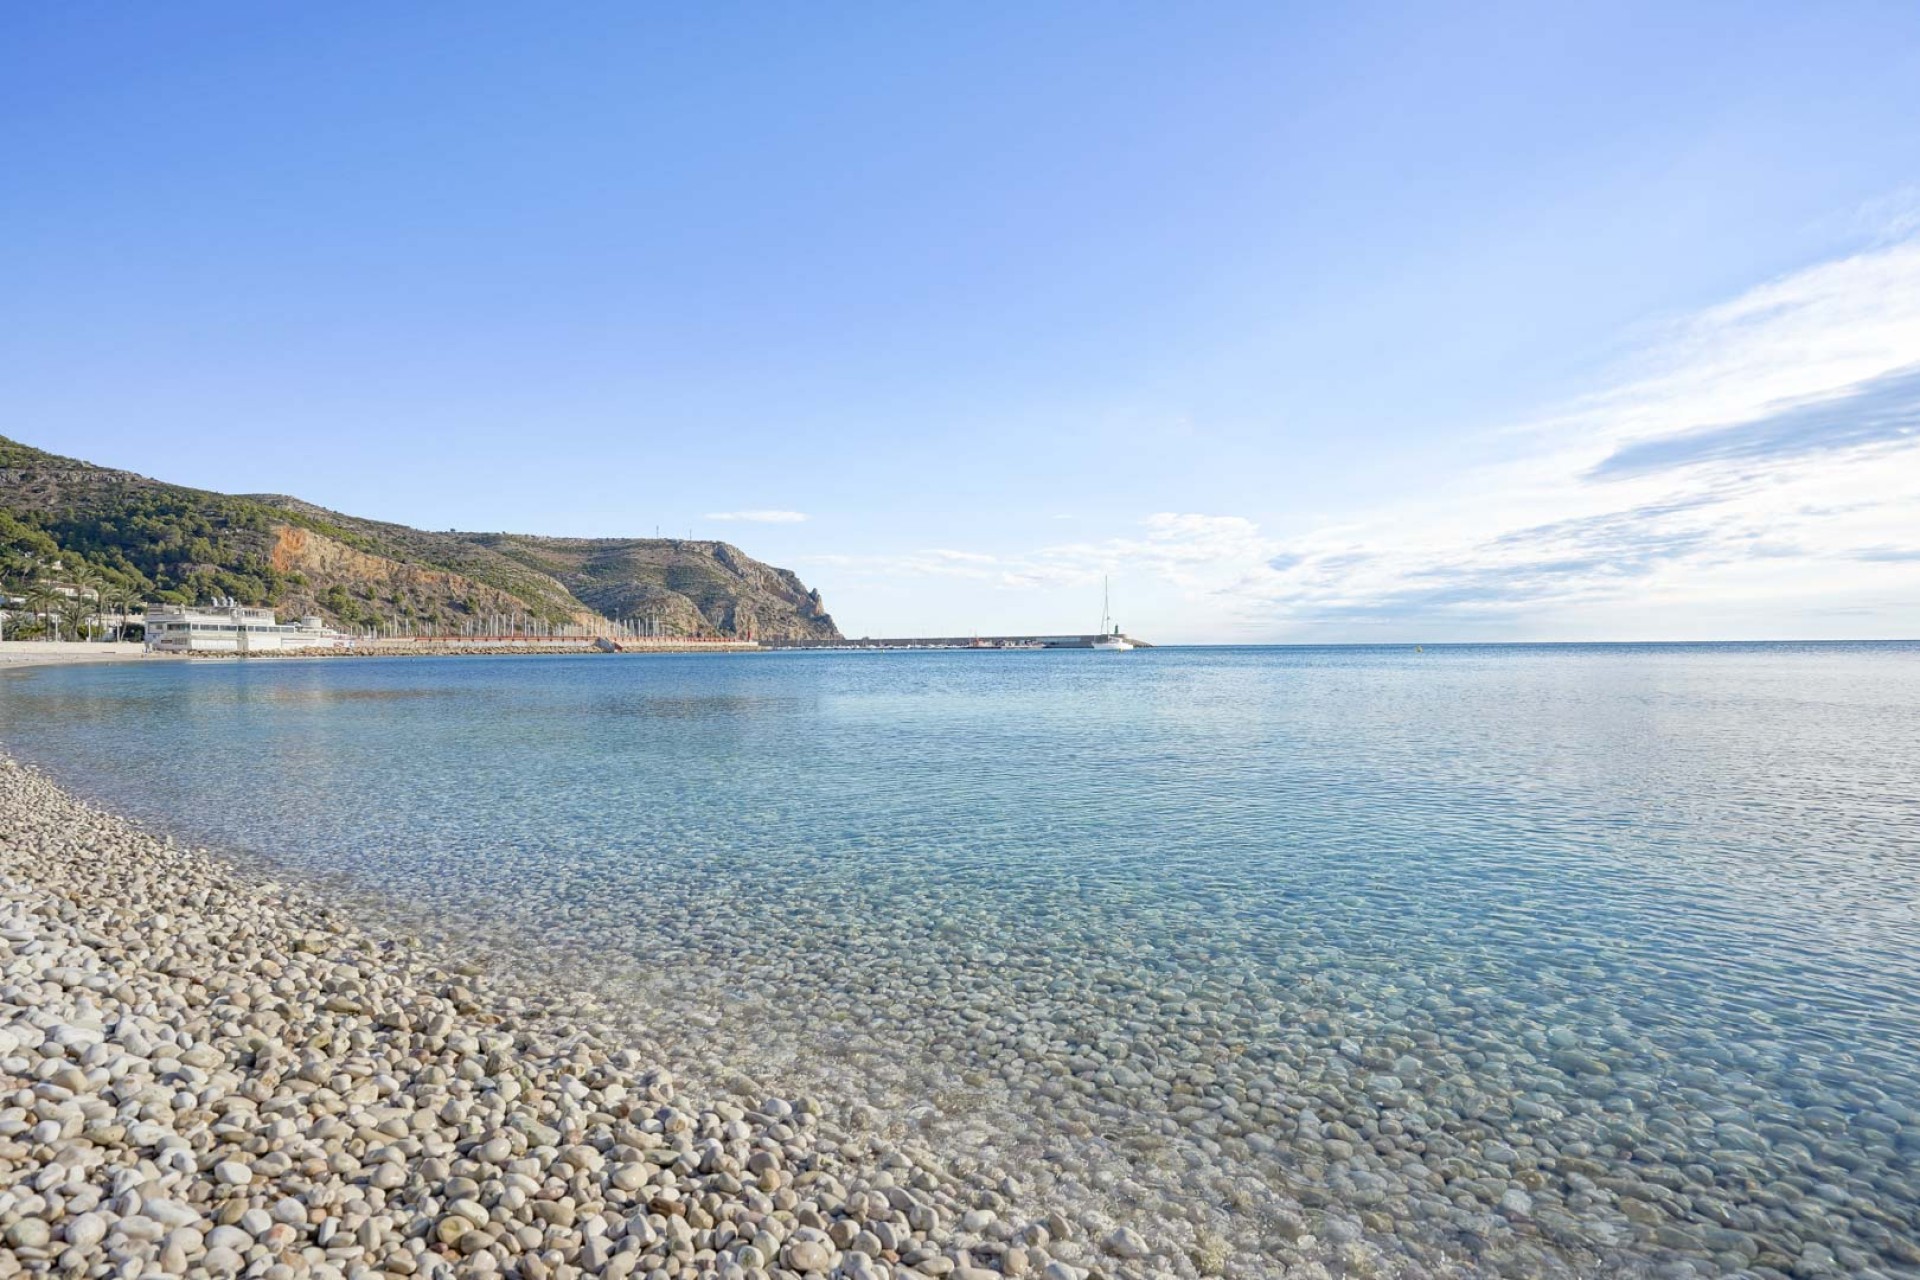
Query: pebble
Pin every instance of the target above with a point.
(1296, 1123)
(239, 1082)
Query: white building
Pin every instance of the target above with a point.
(234, 629)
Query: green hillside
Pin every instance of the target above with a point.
(61, 518)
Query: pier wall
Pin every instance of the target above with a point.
(951, 642)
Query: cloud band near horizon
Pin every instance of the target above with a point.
(1760, 458)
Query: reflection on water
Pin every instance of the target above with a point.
(1607, 949)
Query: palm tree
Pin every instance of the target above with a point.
(20, 568)
(76, 611)
(41, 599)
(86, 582)
(120, 599)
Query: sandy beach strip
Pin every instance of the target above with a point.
(46, 653)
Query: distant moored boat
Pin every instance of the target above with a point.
(1109, 638)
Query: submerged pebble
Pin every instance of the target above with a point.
(203, 1076)
(710, 1067)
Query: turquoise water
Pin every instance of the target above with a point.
(1606, 953)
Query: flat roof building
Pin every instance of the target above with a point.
(235, 629)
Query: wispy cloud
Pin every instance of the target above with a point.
(759, 517)
(1762, 455)
(1187, 550)
(1882, 411)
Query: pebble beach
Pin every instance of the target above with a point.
(209, 1076)
(1270, 642)
(597, 1059)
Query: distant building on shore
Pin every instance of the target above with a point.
(234, 629)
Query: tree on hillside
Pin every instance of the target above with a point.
(21, 560)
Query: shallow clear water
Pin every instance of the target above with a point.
(1630, 931)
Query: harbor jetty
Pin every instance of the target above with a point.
(955, 642)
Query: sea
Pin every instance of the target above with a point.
(1542, 959)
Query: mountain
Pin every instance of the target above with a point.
(168, 542)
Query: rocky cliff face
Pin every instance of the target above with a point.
(690, 586)
(169, 542)
(321, 571)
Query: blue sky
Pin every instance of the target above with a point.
(1302, 322)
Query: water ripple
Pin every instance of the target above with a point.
(1605, 949)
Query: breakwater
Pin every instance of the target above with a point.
(450, 647)
(1075, 641)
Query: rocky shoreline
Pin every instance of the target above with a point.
(204, 1074)
(472, 649)
(205, 1071)
(54, 655)
(1183, 1084)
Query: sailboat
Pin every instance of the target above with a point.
(1109, 640)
